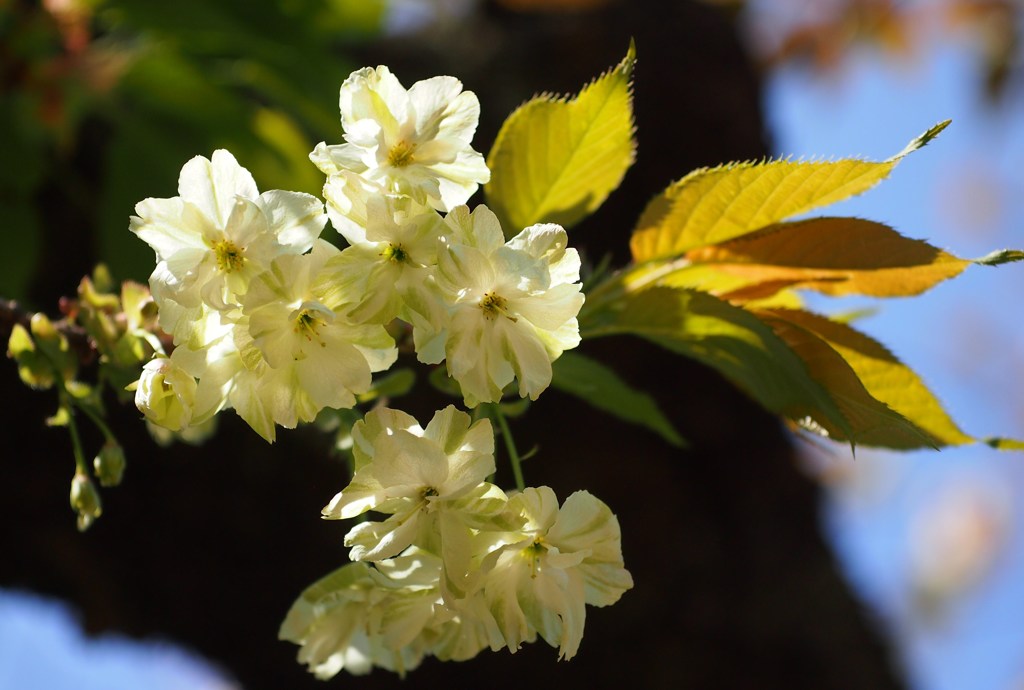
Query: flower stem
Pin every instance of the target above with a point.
(633, 278)
(510, 446)
(100, 424)
(76, 440)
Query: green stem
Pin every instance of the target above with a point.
(510, 446)
(76, 440)
(633, 278)
(98, 421)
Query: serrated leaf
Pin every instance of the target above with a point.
(883, 375)
(602, 388)
(835, 256)
(556, 160)
(873, 422)
(734, 288)
(712, 205)
(731, 340)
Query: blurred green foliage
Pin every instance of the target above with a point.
(103, 101)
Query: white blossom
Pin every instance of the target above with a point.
(300, 355)
(566, 558)
(393, 246)
(414, 142)
(431, 481)
(509, 308)
(217, 234)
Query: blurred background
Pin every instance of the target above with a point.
(782, 563)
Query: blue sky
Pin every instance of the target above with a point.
(953, 517)
(42, 647)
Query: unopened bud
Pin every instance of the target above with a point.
(54, 345)
(109, 464)
(165, 393)
(85, 500)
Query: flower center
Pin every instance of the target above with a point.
(533, 553)
(400, 154)
(308, 320)
(229, 256)
(494, 305)
(395, 253)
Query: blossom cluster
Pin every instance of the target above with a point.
(271, 320)
(457, 566)
(277, 323)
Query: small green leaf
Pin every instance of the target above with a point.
(600, 386)
(922, 140)
(1002, 256)
(557, 160)
(1004, 443)
(712, 205)
(440, 380)
(393, 385)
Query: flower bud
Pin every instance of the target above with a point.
(34, 368)
(166, 394)
(54, 346)
(109, 464)
(85, 500)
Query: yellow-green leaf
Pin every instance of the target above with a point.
(728, 339)
(557, 160)
(712, 205)
(873, 422)
(732, 287)
(883, 375)
(836, 256)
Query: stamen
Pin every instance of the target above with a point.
(229, 257)
(400, 154)
(396, 253)
(309, 318)
(494, 305)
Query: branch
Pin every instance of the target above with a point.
(11, 313)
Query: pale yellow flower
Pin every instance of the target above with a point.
(414, 142)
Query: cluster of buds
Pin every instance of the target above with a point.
(100, 326)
